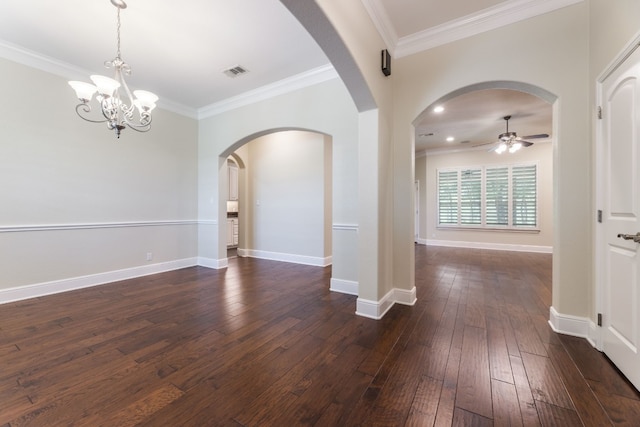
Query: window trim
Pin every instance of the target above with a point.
(483, 226)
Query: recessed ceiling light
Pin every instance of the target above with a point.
(450, 139)
(438, 109)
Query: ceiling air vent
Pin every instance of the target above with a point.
(235, 71)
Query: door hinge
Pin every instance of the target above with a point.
(600, 113)
(600, 215)
(599, 319)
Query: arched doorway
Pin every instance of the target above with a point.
(461, 139)
(284, 197)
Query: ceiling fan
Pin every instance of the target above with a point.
(512, 142)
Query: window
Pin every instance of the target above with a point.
(492, 197)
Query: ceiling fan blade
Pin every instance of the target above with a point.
(483, 144)
(526, 143)
(537, 136)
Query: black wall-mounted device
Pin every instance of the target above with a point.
(386, 62)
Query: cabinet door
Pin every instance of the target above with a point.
(229, 232)
(233, 183)
(235, 231)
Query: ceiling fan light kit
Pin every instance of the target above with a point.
(117, 109)
(511, 142)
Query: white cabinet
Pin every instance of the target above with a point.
(233, 181)
(232, 231)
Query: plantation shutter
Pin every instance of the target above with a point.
(497, 196)
(448, 197)
(524, 195)
(471, 197)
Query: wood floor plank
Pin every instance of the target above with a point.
(546, 383)
(395, 398)
(462, 418)
(474, 381)
(555, 416)
(506, 408)
(595, 366)
(584, 400)
(138, 411)
(525, 332)
(321, 385)
(442, 340)
(425, 403)
(528, 408)
(499, 362)
(446, 405)
(622, 411)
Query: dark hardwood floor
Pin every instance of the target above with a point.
(265, 343)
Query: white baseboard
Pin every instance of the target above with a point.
(377, 309)
(404, 296)
(344, 286)
(490, 246)
(571, 325)
(293, 258)
(64, 285)
(213, 263)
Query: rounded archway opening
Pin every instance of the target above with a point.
(284, 196)
(459, 141)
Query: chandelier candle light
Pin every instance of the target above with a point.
(117, 110)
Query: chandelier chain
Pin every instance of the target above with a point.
(118, 32)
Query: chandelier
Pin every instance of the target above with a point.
(118, 109)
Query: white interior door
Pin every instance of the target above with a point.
(620, 133)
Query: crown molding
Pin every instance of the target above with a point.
(67, 71)
(503, 14)
(299, 81)
(382, 22)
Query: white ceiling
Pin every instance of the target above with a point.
(475, 119)
(176, 49)
(179, 49)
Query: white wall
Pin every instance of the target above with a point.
(287, 193)
(76, 201)
(540, 153)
